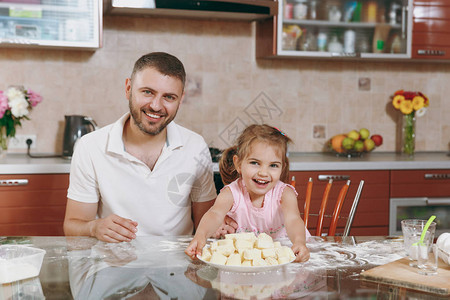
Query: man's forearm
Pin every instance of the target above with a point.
(74, 227)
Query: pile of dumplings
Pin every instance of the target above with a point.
(246, 249)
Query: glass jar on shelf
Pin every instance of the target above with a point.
(300, 9)
(335, 45)
(334, 13)
(308, 40)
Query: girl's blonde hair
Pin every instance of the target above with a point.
(262, 133)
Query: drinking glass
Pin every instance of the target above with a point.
(412, 230)
(427, 258)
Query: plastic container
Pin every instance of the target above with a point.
(19, 262)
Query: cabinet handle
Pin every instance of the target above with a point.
(430, 52)
(334, 177)
(13, 182)
(345, 54)
(438, 201)
(437, 176)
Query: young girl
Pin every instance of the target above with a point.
(255, 171)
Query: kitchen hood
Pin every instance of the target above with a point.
(245, 10)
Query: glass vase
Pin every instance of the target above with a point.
(3, 141)
(408, 134)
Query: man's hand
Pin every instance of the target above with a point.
(228, 226)
(113, 229)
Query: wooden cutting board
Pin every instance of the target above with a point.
(399, 273)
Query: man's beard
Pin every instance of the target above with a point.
(136, 116)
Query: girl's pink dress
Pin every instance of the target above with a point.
(268, 219)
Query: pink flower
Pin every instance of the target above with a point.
(33, 98)
(3, 104)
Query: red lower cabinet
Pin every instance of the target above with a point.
(33, 204)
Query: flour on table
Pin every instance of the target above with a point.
(330, 255)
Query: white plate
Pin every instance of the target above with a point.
(444, 256)
(251, 269)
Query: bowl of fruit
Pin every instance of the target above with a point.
(355, 143)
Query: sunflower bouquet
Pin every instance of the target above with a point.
(410, 104)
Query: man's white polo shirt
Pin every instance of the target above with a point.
(159, 199)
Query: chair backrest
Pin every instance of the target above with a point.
(337, 208)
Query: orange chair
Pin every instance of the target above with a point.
(337, 208)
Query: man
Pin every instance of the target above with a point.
(143, 174)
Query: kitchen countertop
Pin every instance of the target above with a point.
(22, 164)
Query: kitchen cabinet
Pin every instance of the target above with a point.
(33, 204)
(431, 30)
(372, 213)
(367, 29)
(74, 24)
(420, 183)
(419, 194)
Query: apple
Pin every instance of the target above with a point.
(365, 133)
(369, 144)
(348, 143)
(354, 135)
(359, 146)
(378, 139)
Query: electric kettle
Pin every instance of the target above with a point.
(75, 127)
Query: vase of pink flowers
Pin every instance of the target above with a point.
(16, 103)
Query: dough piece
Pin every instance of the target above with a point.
(246, 263)
(234, 260)
(218, 258)
(225, 242)
(264, 241)
(241, 245)
(214, 246)
(206, 254)
(226, 250)
(283, 260)
(270, 252)
(271, 261)
(277, 244)
(285, 251)
(252, 254)
(246, 236)
(258, 261)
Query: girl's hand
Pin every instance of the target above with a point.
(228, 226)
(301, 252)
(195, 247)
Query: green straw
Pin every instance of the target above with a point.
(422, 237)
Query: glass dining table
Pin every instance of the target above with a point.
(156, 267)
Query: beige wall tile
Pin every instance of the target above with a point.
(226, 82)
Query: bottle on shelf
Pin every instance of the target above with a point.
(349, 41)
(312, 10)
(322, 41)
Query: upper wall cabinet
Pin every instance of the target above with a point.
(369, 29)
(72, 24)
(431, 30)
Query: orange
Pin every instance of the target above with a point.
(336, 142)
